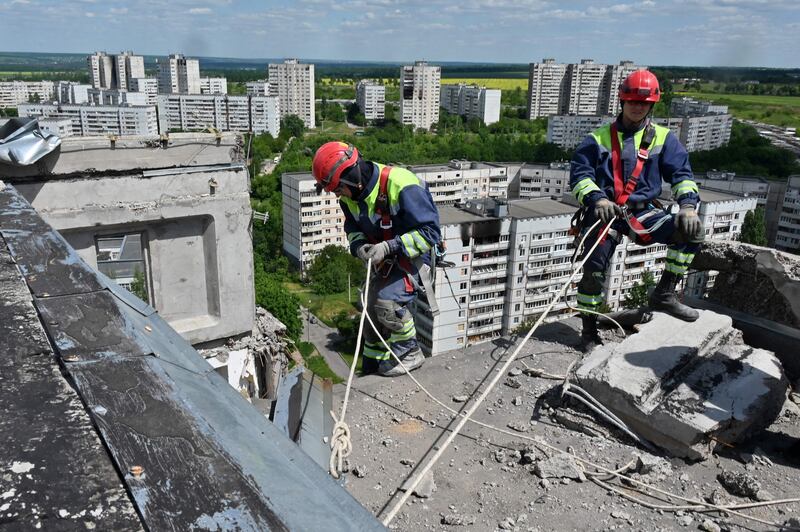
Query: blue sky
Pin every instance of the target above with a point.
(677, 32)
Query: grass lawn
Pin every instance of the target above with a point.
(348, 358)
(323, 307)
(781, 111)
(316, 363)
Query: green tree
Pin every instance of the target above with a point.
(754, 230)
(293, 125)
(274, 297)
(139, 286)
(329, 270)
(640, 292)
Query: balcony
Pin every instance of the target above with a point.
(494, 246)
(490, 260)
(485, 329)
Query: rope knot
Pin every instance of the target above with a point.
(341, 446)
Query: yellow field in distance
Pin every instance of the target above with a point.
(506, 84)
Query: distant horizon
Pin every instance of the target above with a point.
(376, 61)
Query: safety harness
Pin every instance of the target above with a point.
(382, 208)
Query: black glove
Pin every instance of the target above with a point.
(687, 221)
(605, 210)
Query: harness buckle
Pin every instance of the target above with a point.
(643, 154)
(385, 226)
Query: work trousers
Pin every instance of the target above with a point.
(680, 249)
(388, 307)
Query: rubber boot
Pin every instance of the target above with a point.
(589, 336)
(369, 365)
(664, 299)
(411, 360)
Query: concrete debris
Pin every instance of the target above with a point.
(511, 382)
(500, 456)
(527, 456)
(717, 498)
(360, 471)
(685, 520)
(684, 391)
(457, 520)
(424, 489)
(558, 466)
(791, 524)
(517, 401)
(758, 281)
(518, 426)
(619, 514)
(743, 485)
(408, 463)
(460, 398)
(514, 372)
(710, 526)
(506, 524)
(647, 464)
(573, 421)
(757, 457)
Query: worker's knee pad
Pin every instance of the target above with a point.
(391, 314)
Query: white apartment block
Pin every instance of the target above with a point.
(788, 235)
(61, 127)
(458, 181)
(148, 86)
(472, 101)
(293, 83)
(751, 186)
(531, 180)
(116, 97)
(114, 71)
(692, 107)
(257, 88)
(213, 86)
(14, 93)
(419, 94)
(695, 132)
(71, 92)
(584, 88)
(371, 99)
(92, 120)
(198, 112)
(178, 74)
(311, 221)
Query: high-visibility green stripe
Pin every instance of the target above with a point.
(590, 299)
(420, 242)
(356, 235)
(679, 258)
(400, 336)
(584, 187)
(676, 269)
(408, 243)
(684, 187)
(375, 353)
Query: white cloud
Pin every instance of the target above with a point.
(200, 11)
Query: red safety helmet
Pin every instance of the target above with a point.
(640, 86)
(330, 162)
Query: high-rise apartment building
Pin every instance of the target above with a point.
(148, 86)
(293, 83)
(71, 92)
(213, 86)
(472, 101)
(458, 180)
(91, 120)
(257, 88)
(14, 93)
(114, 71)
(585, 88)
(371, 99)
(198, 112)
(692, 107)
(788, 234)
(420, 84)
(178, 75)
(531, 180)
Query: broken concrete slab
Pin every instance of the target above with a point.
(683, 386)
(558, 466)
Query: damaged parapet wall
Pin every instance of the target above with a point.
(256, 363)
(183, 206)
(762, 282)
(686, 386)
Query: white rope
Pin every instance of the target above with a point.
(501, 373)
(341, 446)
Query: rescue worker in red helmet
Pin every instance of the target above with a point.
(618, 171)
(390, 218)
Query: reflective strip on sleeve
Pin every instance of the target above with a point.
(684, 187)
(589, 302)
(422, 245)
(677, 262)
(355, 236)
(408, 244)
(407, 332)
(584, 187)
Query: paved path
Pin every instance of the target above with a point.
(324, 338)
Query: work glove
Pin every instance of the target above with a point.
(378, 252)
(605, 210)
(361, 252)
(687, 221)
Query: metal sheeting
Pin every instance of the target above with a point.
(22, 143)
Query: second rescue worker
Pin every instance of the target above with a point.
(618, 171)
(390, 218)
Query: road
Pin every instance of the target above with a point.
(324, 338)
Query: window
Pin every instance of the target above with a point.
(463, 286)
(463, 271)
(516, 307)
(465, 257)
(460, 327)
(462, 299)
(122, 259)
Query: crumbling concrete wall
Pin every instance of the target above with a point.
(759, 281)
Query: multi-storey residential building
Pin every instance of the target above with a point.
(752, 186)
(371, 99)
(56, 126)
(114, 72)
(14, 93)
(458, 181)
(692, 107)
(548, 88)
(116, 97)
(71, 92)
(213, 86)
(90, 120)
(178, 74)
(788, 231)
(586, 88)
(148, 86)
(531, 180)
(293, 83)
(695, 133)
(472, 101)
(420, 84)
(198, 112)
(311, 221)
(257, 88)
